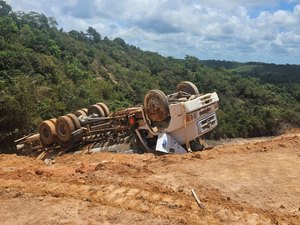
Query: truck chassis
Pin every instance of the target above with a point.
(164, 124)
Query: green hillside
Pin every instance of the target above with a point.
(46, 72)
(284, 76)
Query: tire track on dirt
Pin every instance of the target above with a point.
(168, 206)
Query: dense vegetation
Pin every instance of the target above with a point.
(46, 72)
(285, 76)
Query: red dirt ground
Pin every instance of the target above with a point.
(245, 182)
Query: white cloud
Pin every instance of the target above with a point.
(242, 30)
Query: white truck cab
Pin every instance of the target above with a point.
(177, 119)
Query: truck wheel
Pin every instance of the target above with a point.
(104, 108)
(187, 87)
(53, 120)
(156, 106)
(75, 120)
(47, 132)
(80, 112)
(64, 127)
(85, 110)
(97, 110)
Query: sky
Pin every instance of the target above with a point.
(233, 30)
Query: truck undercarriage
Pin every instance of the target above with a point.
(164, 124)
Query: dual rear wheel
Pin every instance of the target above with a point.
(60, 130)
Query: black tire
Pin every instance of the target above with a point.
(156, 106)
(187, 87)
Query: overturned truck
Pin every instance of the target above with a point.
(164, 124)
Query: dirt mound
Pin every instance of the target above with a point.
(244, 182)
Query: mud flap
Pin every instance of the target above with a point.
(168, 144)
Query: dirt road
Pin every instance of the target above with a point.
(250, 182)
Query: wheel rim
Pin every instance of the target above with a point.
(46, 132)
(156, 105)
(64, 128)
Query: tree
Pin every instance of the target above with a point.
(77, 35)
(34, 20)
(121, 42)
(5, 9)
(7, 25)
(93, 34)
(191, 63)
